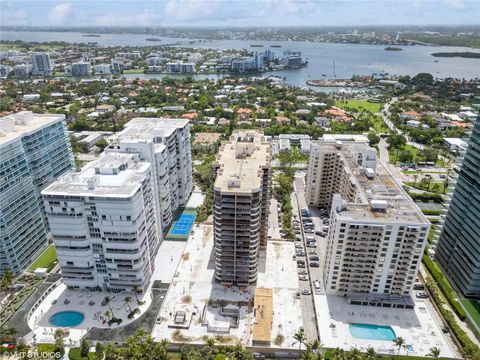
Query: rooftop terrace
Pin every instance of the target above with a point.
(113, 175)
(379, 196)
(240, 162)
(24, 123)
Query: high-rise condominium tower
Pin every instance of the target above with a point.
(34, 151)
(458, 248)
(377, 234)
(240, 204)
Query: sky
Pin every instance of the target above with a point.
(233, 13)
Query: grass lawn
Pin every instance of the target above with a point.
(379, 125)
(47, 259)
(74, 354)
(133, 71)
(359, 105)
(393, 156)
(472, 307)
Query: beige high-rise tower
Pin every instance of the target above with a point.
(241, 202)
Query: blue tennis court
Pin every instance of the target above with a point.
(183, 225)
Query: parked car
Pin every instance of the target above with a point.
(302, 272)
(309, 231)
(306, 292)
(312, 245)
(299, 246)
(312, 252)
(303, 278)
(314, 258)
(422, 295)
(314, 264)
(418, 286)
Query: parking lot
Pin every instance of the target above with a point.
(310, 227)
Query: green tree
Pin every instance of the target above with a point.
(434, 352)
(127, 300)
(300, 339)
(373, 138)
(371, 354)
(107, 300)
(7, 279)
(101, 144)
(399, 343)
(59, 343)
(84, 347)
(99, 351)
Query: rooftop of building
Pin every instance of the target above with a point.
(149, 129)
(240, 161)
(113, 175)
(24, 123)
(380, 197)
(263, 305)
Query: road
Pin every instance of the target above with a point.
(386, 118)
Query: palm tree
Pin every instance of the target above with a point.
(354, 354)
(127, 301)
(314, 346)
(108, 314)
(137, 290)
(209, 346)
(300, 338)
(7, 279)
(59, 344)
(400, 343)
(107, 300)
(371, 353)
(434, 352)
(338, 354)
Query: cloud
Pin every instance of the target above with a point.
(60, 13)
(142, 18)
(12, 15)
(192, 9)
(455, 4)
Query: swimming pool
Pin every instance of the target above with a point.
(67, 318)
(183, 225)
(372, 332)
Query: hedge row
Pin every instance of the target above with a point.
(426, 197)
(469, 348)
(447, 290)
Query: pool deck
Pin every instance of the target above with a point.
(79, 301)
(417, 326)
(193, 288)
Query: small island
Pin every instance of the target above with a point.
(466, 54)
(391, 48)
(91, 35)
(153, 39)
(276, 46)
(256, 45)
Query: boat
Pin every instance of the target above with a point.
(276, 46)
(256, 45)
(153, 39)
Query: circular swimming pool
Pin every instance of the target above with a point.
(67, 318)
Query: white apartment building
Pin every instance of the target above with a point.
(165, 144)
(178, 67)
(377, 234)
(34, 151)
(240, 204)
(41, 65)
(103, 223)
